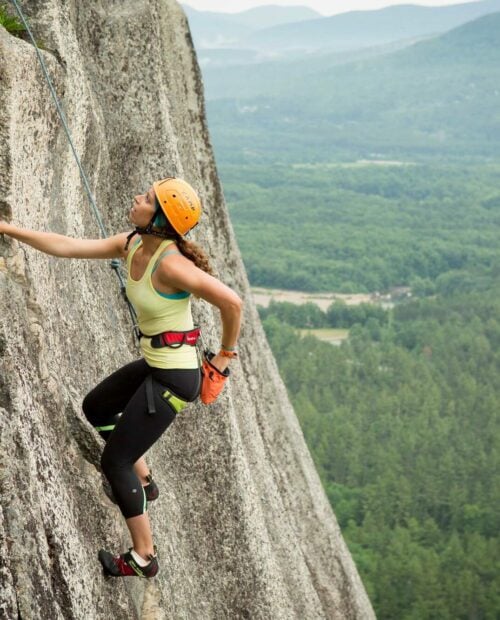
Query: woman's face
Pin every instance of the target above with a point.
(143, 208)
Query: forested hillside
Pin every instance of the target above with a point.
(358, 228)
(384, 172)
(403, 424)
(362, 173)
(437, 98)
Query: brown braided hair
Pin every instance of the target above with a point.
(194, 253)
(191, 250)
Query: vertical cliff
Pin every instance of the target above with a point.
(242, 525)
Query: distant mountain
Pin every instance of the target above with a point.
(358, 29)
(210, 29)
(223, 58)
(439, 97)
(436, 69)
(272, 15)
(227, 73)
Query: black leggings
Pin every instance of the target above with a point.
(130, 435)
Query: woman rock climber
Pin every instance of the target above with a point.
(164, 269)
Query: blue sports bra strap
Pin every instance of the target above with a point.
(162, 256)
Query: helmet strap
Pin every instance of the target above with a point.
(148, 230)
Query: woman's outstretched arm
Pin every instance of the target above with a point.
(67, 247)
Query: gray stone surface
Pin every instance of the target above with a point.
(242, 525)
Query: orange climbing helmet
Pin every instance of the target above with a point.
(179, 202)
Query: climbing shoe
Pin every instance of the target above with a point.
(124, 565)
(151, 490)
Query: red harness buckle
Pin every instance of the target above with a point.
(174, 340)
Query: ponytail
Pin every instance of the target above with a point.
(194, 253)
(191, 250)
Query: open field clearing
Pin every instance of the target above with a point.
(327, 334)
(264, 296)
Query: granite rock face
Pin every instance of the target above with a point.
(242, 525)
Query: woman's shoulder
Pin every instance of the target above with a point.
(172, 263)
(130, 243)
(170, 255)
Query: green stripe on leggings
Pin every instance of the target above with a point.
(177, 403)
(105, 428)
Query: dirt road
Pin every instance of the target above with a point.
(263, 296)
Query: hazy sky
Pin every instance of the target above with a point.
(326, 7)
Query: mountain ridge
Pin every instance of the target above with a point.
(436, 96)
(210, 28)
(274, 75)
(367, 28)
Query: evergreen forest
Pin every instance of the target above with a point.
(364, 172)
(402, 421)
(365, 228)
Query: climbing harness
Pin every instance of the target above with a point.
(115, 263)
(174, 340)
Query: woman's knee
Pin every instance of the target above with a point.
(89, 408)
(97, 417)
(113, 462)
(108, 462)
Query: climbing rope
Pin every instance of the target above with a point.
(115, 263)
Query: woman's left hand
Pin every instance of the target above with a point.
(220, 362)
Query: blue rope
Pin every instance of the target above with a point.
(115, 263)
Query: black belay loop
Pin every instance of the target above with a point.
(150, 397)
(176, 403)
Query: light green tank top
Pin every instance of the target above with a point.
(158, 312)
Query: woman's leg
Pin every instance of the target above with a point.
(109, 398)
(140, 532)
(142, 470)
(134, 434)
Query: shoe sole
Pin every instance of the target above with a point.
(111, 570)
(109, 567)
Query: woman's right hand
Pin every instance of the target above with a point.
(5, 227)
